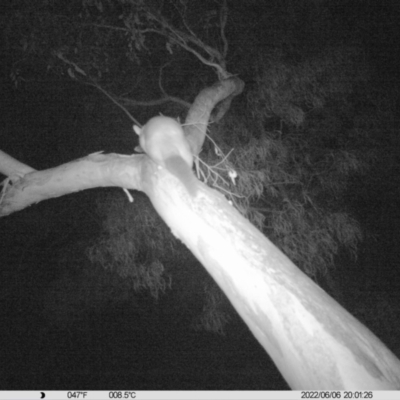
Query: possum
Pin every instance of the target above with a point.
(163, 140)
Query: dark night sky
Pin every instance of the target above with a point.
(45, 125)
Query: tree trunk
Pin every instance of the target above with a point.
(314, 342)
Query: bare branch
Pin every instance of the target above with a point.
(113, 99)
(223, 20)
(93, 83)
(11, 167)
(182, 39)
(135, 103)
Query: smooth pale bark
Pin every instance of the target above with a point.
(314, 342)
(95, 170)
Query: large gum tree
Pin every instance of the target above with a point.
(275, 167)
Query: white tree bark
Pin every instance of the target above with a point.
(314, 342)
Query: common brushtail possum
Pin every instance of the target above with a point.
(163, 140)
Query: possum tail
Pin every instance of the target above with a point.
(179, 167)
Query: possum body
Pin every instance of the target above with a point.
(163, 140)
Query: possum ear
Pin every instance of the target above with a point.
(137, 129)
(138, 149)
